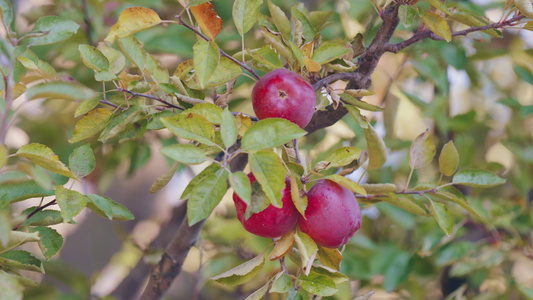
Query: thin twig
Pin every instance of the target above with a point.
(87, 21)
(38, 209)
(395, 48)
(243, 65)
(105, 101)
(334, 77)
(147, 96)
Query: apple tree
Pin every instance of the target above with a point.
(338, 149)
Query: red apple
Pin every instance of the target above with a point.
(272, 222)
(332, 215)
(284, 94)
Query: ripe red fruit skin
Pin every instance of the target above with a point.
(284, 94)
(272, 222)
(332, 214)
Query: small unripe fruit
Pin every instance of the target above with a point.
(284, 94)
(272, 222)
(332, 214)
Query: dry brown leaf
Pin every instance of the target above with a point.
(208, 19)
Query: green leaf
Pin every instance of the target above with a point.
(211, 169)
(266, 58)
(185, 153)
(280, 20)
(132, 20)
(107, 208)
(10, 287)
(206, 195)
(258, 201)
(269, 133)
(207, 110)
(18, 238)
(347, 183)
(3, 155)
(299, 202)
(377, 151)
(120, 122)
(206, 58)
(158, 73)
(104, 75)
(60, 90)
(241, 184)
(474, 20)
(408, 203)
(245, 14)
(46, 158)
(192, 127)
(450, 193)
(443, 216)
(407, 14)
(18, 191)
(228, 129)
(309, 31)
(51, 241)
(318, 284)
(308, 250)
(45, 217)
(448, 159)
(87, 105)
(397, 271)
(297, 54)
(260, 293)
(357, 116)
(134, 50)
(20, 259)
(90, 124)
(93, 58)
(278, 45)
(477, 178)
(226, 71)
(319, 18)
(438, 25)
(242, 273)
(341, 157)
(6, 12)
(5, 228)
(346, 97)
(422, 150)
(116, 60)
(379, 188)
(330, 258)
(164, 179)
(82, 161)
(282, 283)
(328, 52)
(440, 6)
(58, 29)
(71, 202)
(269, 172)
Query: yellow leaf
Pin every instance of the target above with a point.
(132, 20)
(283, 246)
(208, 19)
(92, 123)
(243, 123)
(307, 49)
(311, 65)
(438, 25)
(43, 156)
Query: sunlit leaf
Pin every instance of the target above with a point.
(269, 172)
(408, 203)
(120, 122)
(438, 25)
(283, 246)
(207, 110)
(43, 156)
(18, 191)
(281, 283)
(422, 150)
(10, 287)
(107, 208)
(132, 20)
(448, 159)
(270, 133)
(206, 58)
(440, 6)
(299, 202)
(87, 105)
(359, 103)
(228, 128)
(245, 14)
(241, 184)
(207, 18)
(318, 284)
(18, 238)
(205, 195)
(278, 45)
(407, 14)
(93, 58)
(331, 258)
(477, 178)
(117, 61)
(309, 31)
(242, 273)
(308, 250)
(328, 52)
(92, 123)
(347, 183)
(3, 155)
(192, 127)
(185, 153)
(134, 50)
(341, 157)
(443, 216)
(280, 20)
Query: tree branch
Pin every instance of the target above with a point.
(360, 78)
(147, 96)
(419, 36)
(243, 65)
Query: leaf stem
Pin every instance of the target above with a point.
(38, 209)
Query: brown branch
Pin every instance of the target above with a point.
(147, 96)
(360, 78)
(419, 36)
(87, 20)
(38, 209)
(243, 65)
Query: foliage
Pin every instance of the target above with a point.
(428, 170)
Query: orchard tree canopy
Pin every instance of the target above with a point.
(250, 149)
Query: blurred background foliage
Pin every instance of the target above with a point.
(476, 91)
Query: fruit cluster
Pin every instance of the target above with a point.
(332, 215)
